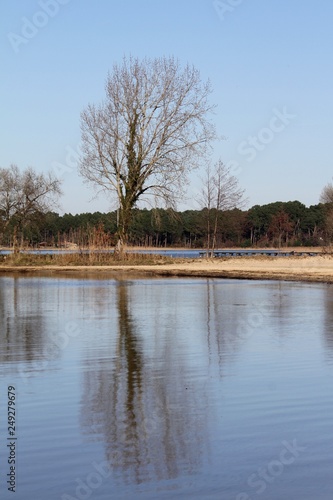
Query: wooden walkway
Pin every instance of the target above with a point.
(251, 253)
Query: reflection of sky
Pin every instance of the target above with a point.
(183, 385)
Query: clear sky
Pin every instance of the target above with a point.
(269, 61)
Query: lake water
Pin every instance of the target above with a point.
(184, 254)
(133, 388)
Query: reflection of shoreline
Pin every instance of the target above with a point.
(312, 269)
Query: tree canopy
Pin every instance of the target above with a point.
(151, 130)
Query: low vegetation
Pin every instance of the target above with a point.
(83, 259)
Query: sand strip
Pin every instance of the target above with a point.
(314, 269)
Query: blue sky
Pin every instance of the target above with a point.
(269, 63)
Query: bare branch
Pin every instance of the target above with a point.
(150, 132)
(326, 195)
(25, 194)
(220, 192)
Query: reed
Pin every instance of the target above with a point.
(89, 258)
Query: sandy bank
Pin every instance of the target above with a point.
(316, 269)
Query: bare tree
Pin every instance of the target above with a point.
(207, 202)
(326, 195)
(220, 192)
(147, 135)
(24, 195)
(8, 194)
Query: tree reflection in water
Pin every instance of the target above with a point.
(151, 423)
(328, 322)
(22, 321)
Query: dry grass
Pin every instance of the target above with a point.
(84, 259)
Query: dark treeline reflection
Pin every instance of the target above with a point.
(148, 412)
(21, 321)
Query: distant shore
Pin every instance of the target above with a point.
(309, 269)
(162, 250)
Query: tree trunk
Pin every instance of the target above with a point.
(15, 242)
(208, 232)
(125, 215)
(214, 234)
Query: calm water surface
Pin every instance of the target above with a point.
(167, 388)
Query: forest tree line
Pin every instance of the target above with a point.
(274, 224)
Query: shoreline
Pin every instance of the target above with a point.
(317, 249)
(317, 269)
